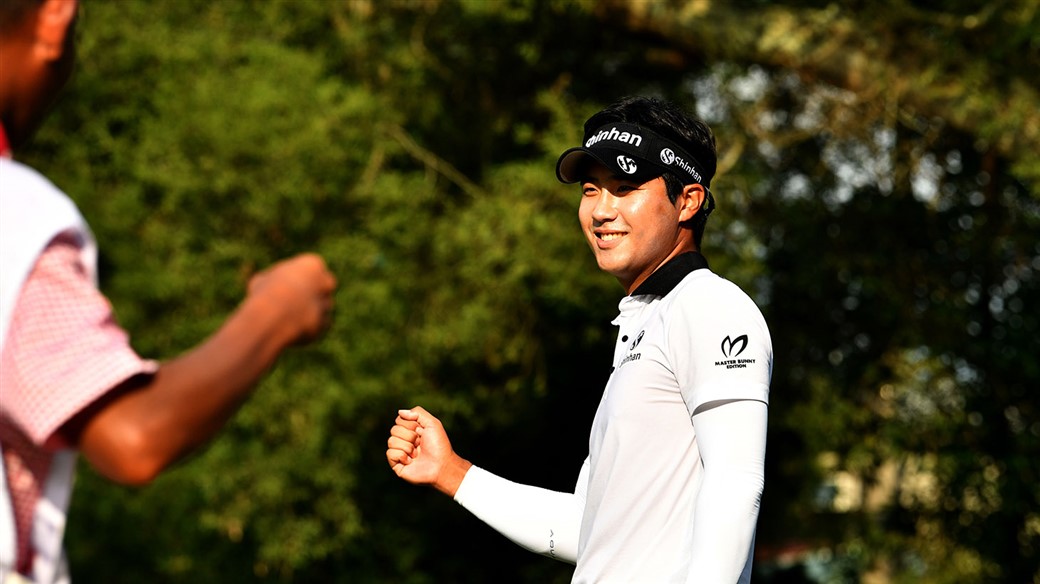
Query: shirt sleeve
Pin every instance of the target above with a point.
(719, 345)
(540, 520)
(64, 349)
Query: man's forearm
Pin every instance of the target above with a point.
(724, 529)
(153, 424)
(539, 520)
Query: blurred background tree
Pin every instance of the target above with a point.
(877, 196)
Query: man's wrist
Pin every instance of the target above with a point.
(266, 313)
(451, 475)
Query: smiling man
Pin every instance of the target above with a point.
(670, 489)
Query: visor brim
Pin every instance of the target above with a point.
(571, 166)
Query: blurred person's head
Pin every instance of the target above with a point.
(37, 52)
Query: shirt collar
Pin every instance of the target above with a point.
(668, 276)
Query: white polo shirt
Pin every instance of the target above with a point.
(686, 337)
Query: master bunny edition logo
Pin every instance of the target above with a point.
(731, 350)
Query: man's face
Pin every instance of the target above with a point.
(631, 227)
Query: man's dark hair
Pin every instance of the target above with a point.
(672, 122)
(12, 12)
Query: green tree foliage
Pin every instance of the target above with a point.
(877, 196)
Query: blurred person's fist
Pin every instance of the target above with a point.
(300, 290)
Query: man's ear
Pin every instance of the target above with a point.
(691, 199)
(53, 27)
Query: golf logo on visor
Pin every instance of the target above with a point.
(626, 164)
(667, 156)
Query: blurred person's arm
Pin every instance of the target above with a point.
(150, 422)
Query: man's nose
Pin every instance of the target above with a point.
(605, 208)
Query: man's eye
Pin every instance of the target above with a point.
(589, 190)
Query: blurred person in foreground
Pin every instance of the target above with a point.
(671, 486)
(69, 381)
